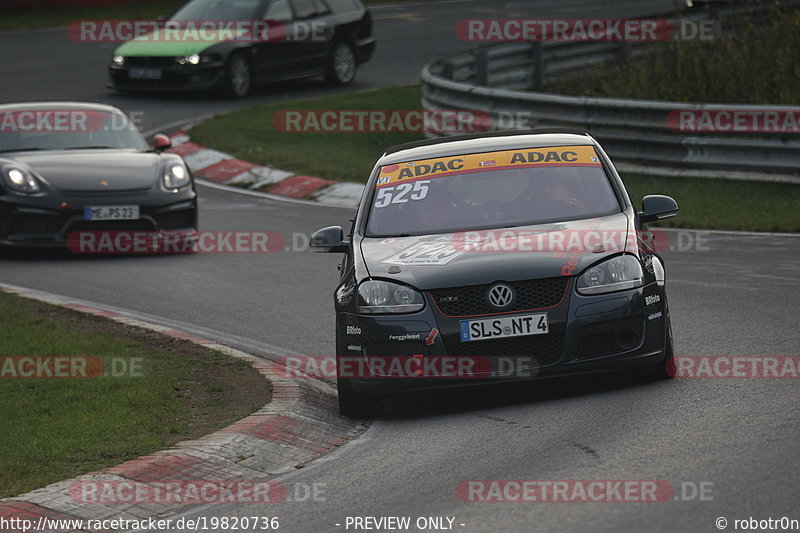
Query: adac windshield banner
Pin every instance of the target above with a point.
(556, 156)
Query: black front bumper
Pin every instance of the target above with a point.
(587, 334)
(173, 77)
(44, 223)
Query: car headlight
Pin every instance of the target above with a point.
(375, 296)
(176, 176)
(20, 180)
(118, 60)
(616, 274)
(193, 59)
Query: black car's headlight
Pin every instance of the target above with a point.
(21, 180)
(375, 296)
(193, 59)
(616, 274)
(176, 176)
(118, 61)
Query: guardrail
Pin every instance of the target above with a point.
(497, 79)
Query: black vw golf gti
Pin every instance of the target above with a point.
(70, 169)
(494, 257)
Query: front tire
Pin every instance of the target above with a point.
(354, 405)
(342, 64)
(238, 76)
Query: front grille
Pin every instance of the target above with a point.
(395, 349)
(36, 224)
(472, 300)
(545, 349)
(612, 336)
(112, 225)
(175, 220)
(151, 62)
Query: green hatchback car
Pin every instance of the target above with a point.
(221, 45)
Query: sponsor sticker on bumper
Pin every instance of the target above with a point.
(506, 326)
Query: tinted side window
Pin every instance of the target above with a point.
(342, 6)
(304, 9)
(321, 8)
(278, 10)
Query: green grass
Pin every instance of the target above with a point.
(38, 18)
(32, 19)
(249, 134)
(53, 429)
(723, 204)
(758, 66)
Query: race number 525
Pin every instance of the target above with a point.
(400, 194)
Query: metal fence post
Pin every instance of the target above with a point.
(539, 66)
(481, 67)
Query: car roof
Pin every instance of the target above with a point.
(484, 142)
(65, 106)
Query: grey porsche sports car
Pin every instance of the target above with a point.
(67, 168)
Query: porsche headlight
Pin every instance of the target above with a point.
(21, 180)
(375, 296)
(616, 274)
(176, 176)
(118, 60)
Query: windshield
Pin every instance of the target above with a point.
(218, 10)
(72, 129)
(490, 190)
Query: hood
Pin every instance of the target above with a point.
(150, 46)
(84, 170)
(479, 257)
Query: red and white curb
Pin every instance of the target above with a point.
(300, 423)
(225, 169)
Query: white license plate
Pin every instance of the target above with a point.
(506, 326)
(144, 73)
(111, 212)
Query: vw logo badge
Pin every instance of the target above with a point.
(501, 296)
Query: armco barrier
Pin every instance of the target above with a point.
(496, 79)
(38, 4)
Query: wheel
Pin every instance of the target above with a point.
(238, 76)
(355, 405)
(341, 64)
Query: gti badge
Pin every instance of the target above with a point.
(501, 296)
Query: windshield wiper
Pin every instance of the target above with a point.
(19, 150)
(86, 147)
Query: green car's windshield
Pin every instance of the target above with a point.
(218, 10)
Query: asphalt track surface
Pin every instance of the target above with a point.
(730, 294)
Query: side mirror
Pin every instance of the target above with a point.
(162, 142)
(329, 240)
(657, 207)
